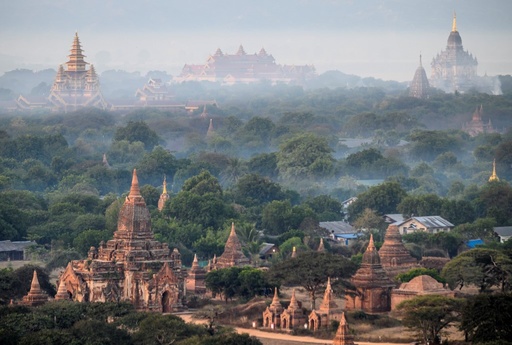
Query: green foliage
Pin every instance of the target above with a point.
(232, 282)
(164, 329)
(486, 318)
(383, 199)
(415, 272)
(137, 131)
(429, 315)
(252, 190)
(279, 217)
(202, 184)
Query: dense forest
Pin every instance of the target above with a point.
(279, 159)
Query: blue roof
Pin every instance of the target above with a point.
(347, 236)
(476, 242)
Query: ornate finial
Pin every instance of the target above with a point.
(294, 252)
(165, 186)
(34, 286)
(454, 23)
(494, 176)
(421, 65)
(371, 245)
(233, 232)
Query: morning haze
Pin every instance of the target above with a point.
(372, 38)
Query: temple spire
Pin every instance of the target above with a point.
(371, 245)
(321, 247)
(421, 64)
(134, 189)
(494, 176)
(165, 186)
(343, 336)
(454, 23)
(294, 252)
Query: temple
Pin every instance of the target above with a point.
(164, 196)
(233, 255)
(292, 317)
(419, 86)
(130, 267)
(76, 86)
(195, 281)
(418, 286)
(343, 335)
(454, 69)
(243, 68)
(35, 296)
(476, 125)
(272, 314)
(373, 287)
(394, 257)
(327, 312)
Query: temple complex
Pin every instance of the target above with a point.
(163, 197)
(243, 68)
(272, 314)
(233, 255)
(343, 335)
(155, 90)
(454, 69)
(373, 286)
(476, 125)
(394, 257)
(195, 281)
(419, 286)
(76, 86)
(293, 316)
(35, 296)
(130, 267)
(419, 86)
(327, 312)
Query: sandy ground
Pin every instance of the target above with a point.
(269, 338)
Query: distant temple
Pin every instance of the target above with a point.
(130, 267)
(233, 255)
(419, 86)
(243, 68)
(476, 125)
(494, 177)
(35, 296)
(328, 311)
(394, 257)
(454, 69)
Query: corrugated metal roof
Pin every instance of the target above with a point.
(338, 227)
(430, 222)
(8, 246)
(503, 230)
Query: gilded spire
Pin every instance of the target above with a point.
(294, 252)
(494, 176)
(165, 186)
(454, 23)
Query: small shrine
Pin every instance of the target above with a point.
(293, 316)
(195, 281)
(272, 314)
(35, 296)
(343, 336)
(232, 255)
(419, 286)
(327, 312)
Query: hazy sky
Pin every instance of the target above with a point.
(380, 38)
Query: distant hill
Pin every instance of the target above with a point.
(335, 79)
(22, 81)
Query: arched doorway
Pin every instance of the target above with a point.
(167, 302)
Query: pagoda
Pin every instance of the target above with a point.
(373, 287)
(163, 197)
(35, 296)
(293, 316)
(195, 281)
(76, 86)
(476, 125)
(327, 312)
(494, 177)
(394, 257)
(454, 69)
(272, 314)
(233, 255)
(419, 86)
(343, 336)
(130, 267)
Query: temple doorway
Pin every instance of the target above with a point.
(166, 302)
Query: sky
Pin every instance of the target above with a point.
(378, 38)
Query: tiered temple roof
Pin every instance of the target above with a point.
(327, 312)
(131, 266)
(476, 125)
(35, 296)
(394, 257)
(454, 69)
(76, 86)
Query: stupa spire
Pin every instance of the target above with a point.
(321, 247)
(35, 296)
(34, 286)
(165, 186)
(134, 189)
(371, 244)
(294, 252)
(454, 22)
(62, 293)
(494, 176)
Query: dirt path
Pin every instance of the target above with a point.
(280, 338)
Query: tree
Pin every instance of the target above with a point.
(481, 267)
(430, 314)
(202, 184)
(157, 329)
(304, 270)
(137, 131)
(486, 318)
(155, 165)
(416, 272)
(326, 208)
(383, 199)
(264, 164)
(252, 190)
(305, 156)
